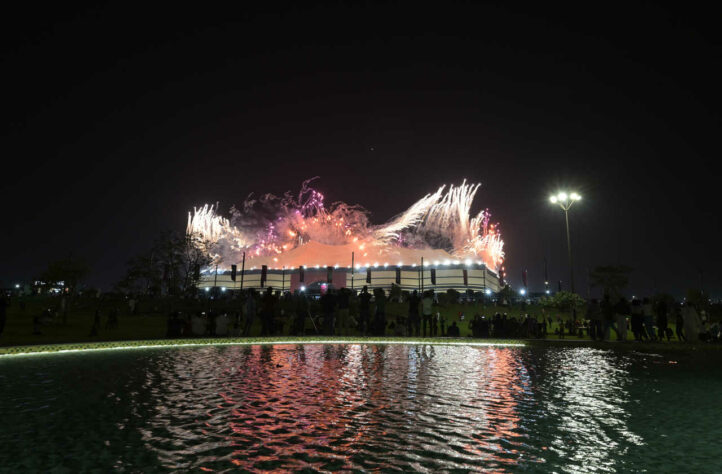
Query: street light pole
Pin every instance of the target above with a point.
(569, 250)
(565, 201)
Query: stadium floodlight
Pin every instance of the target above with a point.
(565, 202)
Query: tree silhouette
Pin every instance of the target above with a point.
(563, 301)
(611, 278)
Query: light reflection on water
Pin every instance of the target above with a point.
(413, 408)
(332, 407)
(588, 398)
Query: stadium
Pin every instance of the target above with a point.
(292, 244)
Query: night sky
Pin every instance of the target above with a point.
(117, 120)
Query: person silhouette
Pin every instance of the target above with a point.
(267, 307)
(453, 330)
(364, 308)
(413, 322)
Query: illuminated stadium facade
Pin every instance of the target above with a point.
(288, 243)
(461, 277)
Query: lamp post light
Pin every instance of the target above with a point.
(565, 201)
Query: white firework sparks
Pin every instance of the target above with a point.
(274, 226)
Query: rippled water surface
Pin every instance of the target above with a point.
(360, 407)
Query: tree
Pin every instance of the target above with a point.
(505, 295)
(168, 268)
(564, 301)
(611, 278)
(68, 273)
(141, 277)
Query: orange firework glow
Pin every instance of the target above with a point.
(292, 231)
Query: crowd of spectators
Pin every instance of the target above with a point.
(292, 314)
(647, 320)
(342, 312)
(638, 320)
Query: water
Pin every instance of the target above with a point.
(360, 407)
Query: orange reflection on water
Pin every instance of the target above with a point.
(319, 378)
(499, 389)
(364, 407)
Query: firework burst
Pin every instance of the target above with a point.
(276, 227)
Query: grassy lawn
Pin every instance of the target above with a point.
(150, 323)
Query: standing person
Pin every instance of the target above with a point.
(380, 317)
(187, 330)
(237, 318)
(621, 309)
(637, 321)
(661, 310)
(328, 305)
(679, 324)
(343, 312)
(561, 327)
(364, 308)
(475, 326)
(112, 321)
(250, 311)
(211, 323)
(427, 303)
(4, 303)
(608, 315)
(413, 324)
(483, 325)
(300, 318)
(594, 315)
(496, 325)
(648, 318)
(453, 330)
(64, 309)
(268, 304)
(95, 328)
(692, 323)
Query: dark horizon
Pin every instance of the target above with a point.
(117, 122)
